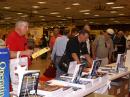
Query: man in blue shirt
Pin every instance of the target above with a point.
(58, 50)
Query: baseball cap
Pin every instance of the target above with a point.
(110, 31)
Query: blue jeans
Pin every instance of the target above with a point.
(59, 72)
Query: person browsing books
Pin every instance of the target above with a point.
(75, 49)
(17, 42)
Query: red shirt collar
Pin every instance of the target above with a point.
(16, 33)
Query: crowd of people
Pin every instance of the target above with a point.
(78, 46)
(69, 45)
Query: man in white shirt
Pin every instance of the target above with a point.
(58, 51)
(88, 29)
(127, 36)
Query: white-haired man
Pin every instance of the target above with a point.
(16, 40)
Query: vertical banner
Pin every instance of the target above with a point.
(4, 72)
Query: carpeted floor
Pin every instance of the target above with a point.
(40, 64)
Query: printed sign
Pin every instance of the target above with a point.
(4, 72)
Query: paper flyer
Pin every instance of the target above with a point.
(4, 72)
(40, 52)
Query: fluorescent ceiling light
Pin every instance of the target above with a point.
(76, 4)
(112, 19)
(116, 21)
(118, 7)
(84, 10)
(58, 16)
(19, 13)
(96, 15)
(68, 8)
(35, 11)
(85, 20)
(113, 11)
(7, 18)
(24, 16)
(63, 19)
(121, 14)
(2, 21)
(60, 22)
(41, 2)
(86, 13)
(55, 13)
(91, 22)
(41, 16)
(97, 23)
(6, 7)
(35, 7)
(43, 19)
(110, 3)
(69, 17)
(15, 19)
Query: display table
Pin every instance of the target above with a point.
(114, 76)
(118, 75)
(96, 86)
(82, 93)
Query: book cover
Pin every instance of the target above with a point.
(4, 72)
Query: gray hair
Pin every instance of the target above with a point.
(20, 23)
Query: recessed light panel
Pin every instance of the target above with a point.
(76, 4)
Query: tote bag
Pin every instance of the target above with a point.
(14, 63)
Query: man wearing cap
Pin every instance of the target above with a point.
(103, 47)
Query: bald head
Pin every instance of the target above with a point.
(87, 27)
(21, 27)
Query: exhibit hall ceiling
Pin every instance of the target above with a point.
(67, 11)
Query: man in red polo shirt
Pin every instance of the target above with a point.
(53, 38)
(16, 41)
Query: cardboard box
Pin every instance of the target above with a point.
(99, 95)
(115, 90)
(125, 86)
(125, 94)
(120, 88)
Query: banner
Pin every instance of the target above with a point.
(4, 72)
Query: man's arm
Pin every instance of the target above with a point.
(89, 60)
(111, 51)
(75, 57)
(54, 51)
(13, 54)
(94, 44)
